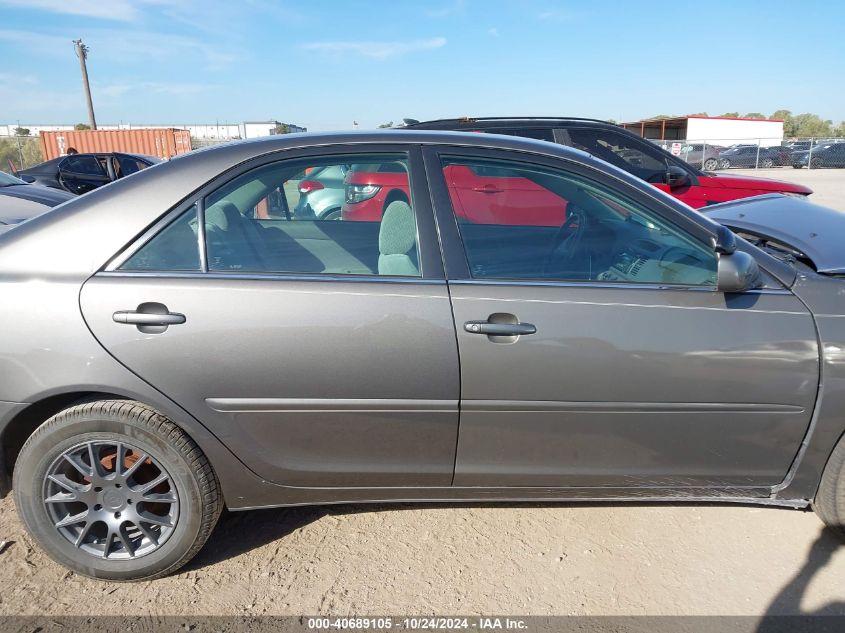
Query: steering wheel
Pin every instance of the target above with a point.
(567, 238)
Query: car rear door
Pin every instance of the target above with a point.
(599, 355)
(322, 353)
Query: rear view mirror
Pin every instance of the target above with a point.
(676, 177)
(737, 272)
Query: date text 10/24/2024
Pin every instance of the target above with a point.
(418, 623)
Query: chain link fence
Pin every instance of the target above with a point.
(759, 153)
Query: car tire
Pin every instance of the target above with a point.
(829, 503)
(767, 163)
(333, 214)
(726, 164)
(796, 166)
(711, 164)
(147, 496)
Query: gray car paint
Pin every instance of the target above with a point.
(49, 351)
(813, 229)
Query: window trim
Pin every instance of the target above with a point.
(428, 244)
(454, 252)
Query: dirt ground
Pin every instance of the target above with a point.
(529, 560)
(469, 559)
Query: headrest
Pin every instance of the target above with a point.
(220, 214)
(398, 231)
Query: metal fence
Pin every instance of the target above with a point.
(759, 153)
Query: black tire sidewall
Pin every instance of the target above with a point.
(44, 448)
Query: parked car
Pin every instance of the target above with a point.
(321, 193)
(628, 151)
(195, 355)
(829, 155)
(701, 155)
(480, 194)
(80, 173)
(20, 201)
(754, 156)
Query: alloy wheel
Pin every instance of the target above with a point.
(111, 499)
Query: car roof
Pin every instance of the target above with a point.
(481, 122)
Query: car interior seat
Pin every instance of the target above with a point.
(397, 241)
(232, 238)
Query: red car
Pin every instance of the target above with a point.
(479, 195)
(628, 151)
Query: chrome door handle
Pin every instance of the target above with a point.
(146, 318)
(499, 329)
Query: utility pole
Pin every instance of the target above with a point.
(82, 54)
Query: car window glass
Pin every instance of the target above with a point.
(524, 222)
(343, 216)
(175, 248)
(635, 156)
(82, 164)
(125, 165)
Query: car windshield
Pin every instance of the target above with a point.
(7, 180)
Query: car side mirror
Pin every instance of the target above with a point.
(27, 178)
(676, 177)
(737, 272)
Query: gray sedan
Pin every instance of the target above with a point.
(528, 323)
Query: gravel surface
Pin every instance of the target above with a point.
(828, 185)
(467, 559)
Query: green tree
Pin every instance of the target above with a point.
(788, 123)
(15, 149)
(730, 115)
(22, 131)
(385, 125)
(755, 115)
(698, 114)
(808, 124)
(281, 128)
(81, 126)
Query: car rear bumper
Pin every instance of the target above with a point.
(8, 410)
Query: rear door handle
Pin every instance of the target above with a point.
(146, 318)
(499, 329)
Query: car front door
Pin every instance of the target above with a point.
(321, 352)
(600, 355)
(80, 173)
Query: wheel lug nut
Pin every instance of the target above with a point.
(98, 489)
(117, 485)
(98, 507)
(117, 515)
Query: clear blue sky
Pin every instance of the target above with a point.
(325, 63)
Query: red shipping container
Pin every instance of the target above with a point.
(162, 143)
